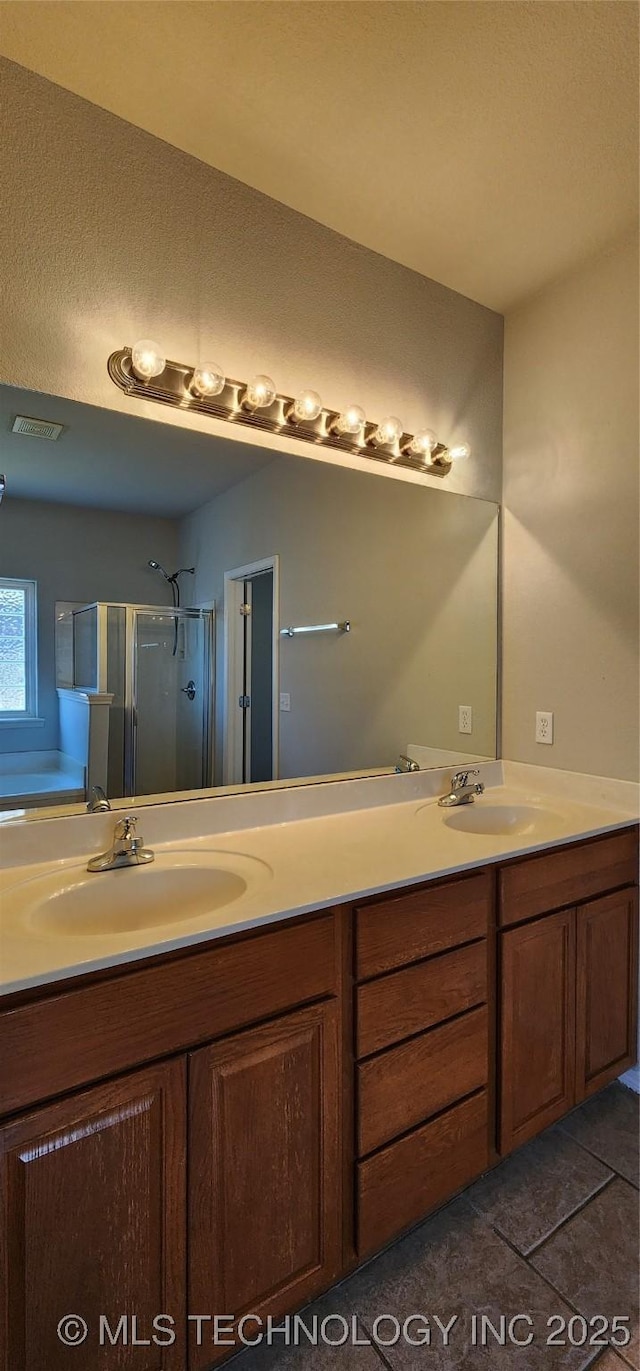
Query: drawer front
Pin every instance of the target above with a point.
(394, 932)
(402, 1087)
(79, 1036)
(567, 876)
(403, 1182)
(405, 1002)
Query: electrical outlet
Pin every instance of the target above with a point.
(285, 703)
(544, 727)
(465, 719)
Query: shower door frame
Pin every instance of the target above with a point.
(101, 607)
(208, 701)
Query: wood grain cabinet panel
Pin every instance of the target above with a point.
(405, 1085)
(265, 1194)
(566, 875)
(537, 1026)
(63, 1041)
(607, 998)
(402, 1182)
(405, 928)
(404, 1002)
(94, 1219)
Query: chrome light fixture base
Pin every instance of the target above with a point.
(172, 387)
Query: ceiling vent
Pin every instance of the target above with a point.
(37, 428)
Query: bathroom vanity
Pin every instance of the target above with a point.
(228, 1128)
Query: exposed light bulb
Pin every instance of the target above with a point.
(147, 360)
(422, 444)
(260, 393)
(388, 432)
(306, 407)
(459, 453)
(208, 379)
(350, 421)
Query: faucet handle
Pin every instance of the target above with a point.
(126, 828)
(461, 778)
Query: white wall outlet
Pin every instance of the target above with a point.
(465, 719)
(544, 727)
(285, 703)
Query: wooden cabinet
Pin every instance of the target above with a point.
(537, 1026)
(607, 990)
(401, 929)
(274, 1106)
(423, 1008)
(208, 1184)
(564, 876)
(418, 1078)
(568, 983)
(264, 1202)
(402, 1182)
(81, 1034)
(94, 1201)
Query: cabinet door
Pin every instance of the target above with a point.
(537, 1026)
(264, 1170)
(93, 1220)
(607, 998)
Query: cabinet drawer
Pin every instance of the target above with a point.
(401, 1087)
(567, 876)
(405, 1002)
(66, 1040)
(403, 1182)
(394, 932)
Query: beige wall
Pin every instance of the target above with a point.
(108, 235)
(570, 625)
(414, 572)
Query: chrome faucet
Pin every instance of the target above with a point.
(127, 849)
(98, 802)
(462, 793)
(406, 763)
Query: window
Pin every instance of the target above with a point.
(18, 690)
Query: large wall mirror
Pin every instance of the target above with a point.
(179, 612)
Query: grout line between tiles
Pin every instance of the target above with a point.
(565, 1298)
(597, 1157)
(537, 1247)
(601, 1352)
(378, 1350)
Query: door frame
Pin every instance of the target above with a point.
(233, 664)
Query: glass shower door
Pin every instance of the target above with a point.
(171, 698)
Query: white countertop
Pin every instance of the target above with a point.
(308, 864)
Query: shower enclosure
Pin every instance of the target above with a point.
(157, 663)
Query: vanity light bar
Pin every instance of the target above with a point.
(143, 371)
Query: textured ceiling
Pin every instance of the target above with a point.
(116, 461)
(490, 146)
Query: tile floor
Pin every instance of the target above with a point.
(553, 1231)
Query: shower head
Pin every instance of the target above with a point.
(155, 566)
(173, 579)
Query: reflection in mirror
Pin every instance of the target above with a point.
(180, 612)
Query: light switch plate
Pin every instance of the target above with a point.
(285, 703)
(544, 727)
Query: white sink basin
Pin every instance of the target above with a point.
(179, 886)
(504, 820)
